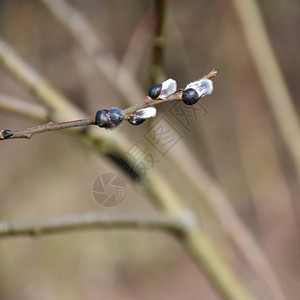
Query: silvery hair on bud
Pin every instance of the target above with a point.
(203, 87)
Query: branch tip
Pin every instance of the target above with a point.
(5, 134)
(110, 118)
(211, 74)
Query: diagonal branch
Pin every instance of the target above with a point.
(94, 47)
(36, 83)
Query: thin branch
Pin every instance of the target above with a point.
(36, 83)
(23, 108)
(274, 84)
(29, 132)
(158, 44)
(230, 220)
(94, 47)
(136, 48)
(55, 225)
(226, 283)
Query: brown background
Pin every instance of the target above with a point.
(238, 142)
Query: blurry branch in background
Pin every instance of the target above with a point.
(159, 192)
(156, 70)
(87, 221)
(137, 46)
(278, 95)
(95, 49)
(54, 100)
(231, 223)
(25, 109)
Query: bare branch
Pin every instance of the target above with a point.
(29, 132)
(193, 240)
(275, 86)
(158, 46)
(136, 47)
(94, 47)
(36, 83)
(40, 227)
(25, 109)
(232, 224)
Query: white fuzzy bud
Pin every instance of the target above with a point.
(169, 87)
(146, 113)
(203, 87)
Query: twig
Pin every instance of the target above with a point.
(136, 47)
(88, 221)
(94, 47)
(36, 83)
(178, 226)
(275, 86)
(29, 132)
(158, 46)
(230, 220)
(23, 108)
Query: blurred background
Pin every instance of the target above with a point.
(237, 142)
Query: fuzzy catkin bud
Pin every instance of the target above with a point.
(141, 115)
(109, 119)
(163, 90)
(197, 89)
(203, 86)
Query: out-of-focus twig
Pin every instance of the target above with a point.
(35, 83)
(136, 48)
(23, 108)
(231, 222)
(93, 46)
(158, 43)
(270, 75)
(87, 221)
